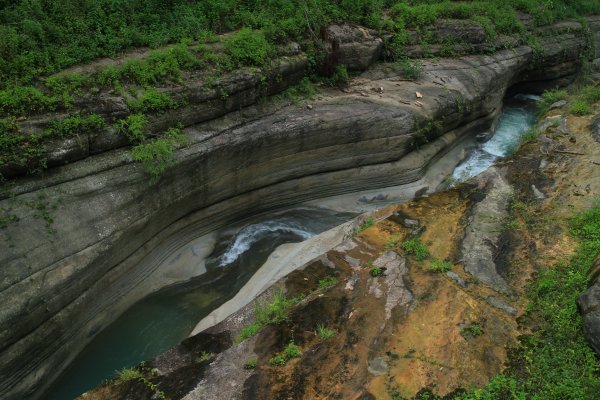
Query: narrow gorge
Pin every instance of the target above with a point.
(90, 237)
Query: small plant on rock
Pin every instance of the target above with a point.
(292, 350)
(327, 282)
(376, 271)
(416, 248)
(324, 332)
(471, 331)
(440, 266)
(250, 364)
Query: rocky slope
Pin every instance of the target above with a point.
(78, 246)
(411, 330)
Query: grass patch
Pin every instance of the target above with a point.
(365, 225)
(415, 248)
(156, 155)
(275, 313)
(472, 331)
(440, 266)
(127, 374)
(376, 271)
(292, 350)
(324, 332)
(250, 364)
(327, 282)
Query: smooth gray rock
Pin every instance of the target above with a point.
(589, 305)
(483, 232)
(501, 305)
(456, 278)
(378, 366)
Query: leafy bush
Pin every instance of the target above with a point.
(127, 374)
(75, 124)
(134, 127)
(471, 331)
(248, 48)
(340, 77)
(365, 225)
(157, 154)
(152, 100)
(580, 107)
(411, 69)
(416, 248)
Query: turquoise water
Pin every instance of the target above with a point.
(517, 118)
(163, 319)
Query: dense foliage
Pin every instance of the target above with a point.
(40, 37)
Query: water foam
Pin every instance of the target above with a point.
(513, 122)
(251, 234)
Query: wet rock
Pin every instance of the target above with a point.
(378, 366)
(456, 278)
(501, 305)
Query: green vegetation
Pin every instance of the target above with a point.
(275, 313)
(327, 282)
(411, 69)
(415, 248)
(157, 154)
(248, 48)
(555, 362)
(127, 374)
(340, 77)
(529, 136)
(204, 356)
(324, 332)
(440, 266)
(581, 99)
(471, 331)
(152, 100)
(376, 271)
(292, 350)
(250, 364)
(365, 225)
(392, 242)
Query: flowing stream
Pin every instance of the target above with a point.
(164, 318)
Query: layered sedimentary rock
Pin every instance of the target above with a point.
(78, 254)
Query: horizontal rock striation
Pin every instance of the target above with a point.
(81, 241)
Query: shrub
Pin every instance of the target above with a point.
(340, 77)
(75, 124)
(580, 107)
(248, 48)
(133, 127)
(152, 100)
(157, 154)
(411, 69)
(250, 364)
(471, 331)
(365, 225)
(415, 248)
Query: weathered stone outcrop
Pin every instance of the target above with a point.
(589, 304)
(63, 281)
